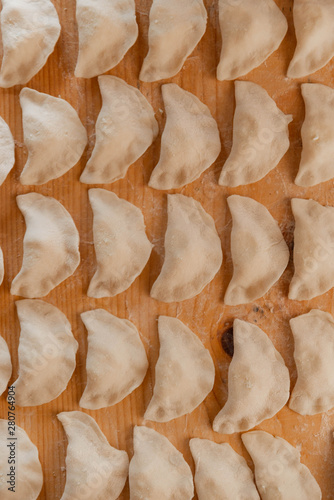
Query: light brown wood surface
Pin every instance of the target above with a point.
(206, 314)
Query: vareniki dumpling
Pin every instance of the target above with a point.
(5, 365)
(121, 245)
(258, 381)
(251, 32)
(53, 134)
(259, 252)
(7, 151)
(176, 27)
(260, 136)
(125, 129)
(193, 253)
(50, 246)
(107, 29)
(30, 30)
(184, 373)
(190, 142)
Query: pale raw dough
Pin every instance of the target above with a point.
(221, 474)
(28, 470)
(54, 136)
(316, 163)
(2, 267)
(47, 351)
(258, 381)
(190, 142)
(260, 136)
(176, 27)
(313, 334)
(279, 474)
(5, 365)
(121, 245)
(251, 32)
(259, 252)
(50, 246)
(107, 30)
(30, 30)
(7, 151)
(184, 373)
(313, 252)
(125, 129)
(193, 253)
(313, 20)
(94, 469)
(116, 359)
(158, 470)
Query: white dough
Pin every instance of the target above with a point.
(176, 27)
(184, 373)
(259, 252)
(251, 32)
(5, 365)
(50, 246)
(190, 142)
(116, 360)
(30, 30)
(107, 30)
(47, 351)
(193, 253)
(260, 136)
(94, 469)
(7, 151)
(121, 245)
(258, 381)
(313, 20)
(279, 474)
(158, 470)
(221, 474)
(126, 127)
(53, 134)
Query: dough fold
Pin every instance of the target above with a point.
(5, 365)
(7, 151)
(258, 381)
(190, 142)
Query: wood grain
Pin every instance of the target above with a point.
(206, 314)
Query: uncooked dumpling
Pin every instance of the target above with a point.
(30, 30)
(125, 129)
(316, 163)
(176, 27)
(279, 474)
(47, 351)
(259, 252)
(28, 480)
(258, 381)
(313, 20)
(50, 246)
(190, 142)
(53, 134)
(116, 359)
(184, 373)
(2, 267)
(94, 469)
(251, 32)
(121, 245)
(107, 29)
(193, 253)
(221, 474)
(7, 151)
(5, 365)
(314, 354)
(260, 136)
(313, 252)
(157, 469)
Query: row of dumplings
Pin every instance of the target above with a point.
(126, 127)
(184, 374)
(97, 471)
(193, 252)
(251, 32)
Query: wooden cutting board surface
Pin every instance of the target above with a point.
(206, 314)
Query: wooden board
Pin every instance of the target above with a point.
(206, 314)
